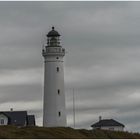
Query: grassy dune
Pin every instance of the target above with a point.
(61, 133)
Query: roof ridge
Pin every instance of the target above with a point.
(14, 111)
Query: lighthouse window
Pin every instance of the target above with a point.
(57, 69)
(58, 91)
(59, 113)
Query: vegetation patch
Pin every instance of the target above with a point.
(13, 132)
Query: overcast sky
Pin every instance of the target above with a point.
(102, 63)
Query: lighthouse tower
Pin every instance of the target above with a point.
(54, 113)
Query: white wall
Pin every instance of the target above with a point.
(54, 102)
(3, 117)
(115, 128)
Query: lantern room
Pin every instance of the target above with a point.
(53, 38)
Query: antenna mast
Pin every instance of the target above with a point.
(73, 109)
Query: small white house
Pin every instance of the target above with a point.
(108, 124)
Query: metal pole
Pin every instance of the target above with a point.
(73, 109)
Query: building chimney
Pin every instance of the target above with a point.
(11, 109)
(100, 118)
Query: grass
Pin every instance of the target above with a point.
(13, 132)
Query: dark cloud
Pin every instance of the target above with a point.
(29, 92)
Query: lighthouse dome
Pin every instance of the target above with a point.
(53, 33)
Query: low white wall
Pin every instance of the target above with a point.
(115, 128)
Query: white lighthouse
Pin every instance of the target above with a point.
(54, 113)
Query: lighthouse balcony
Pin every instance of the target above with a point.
(53, 51)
